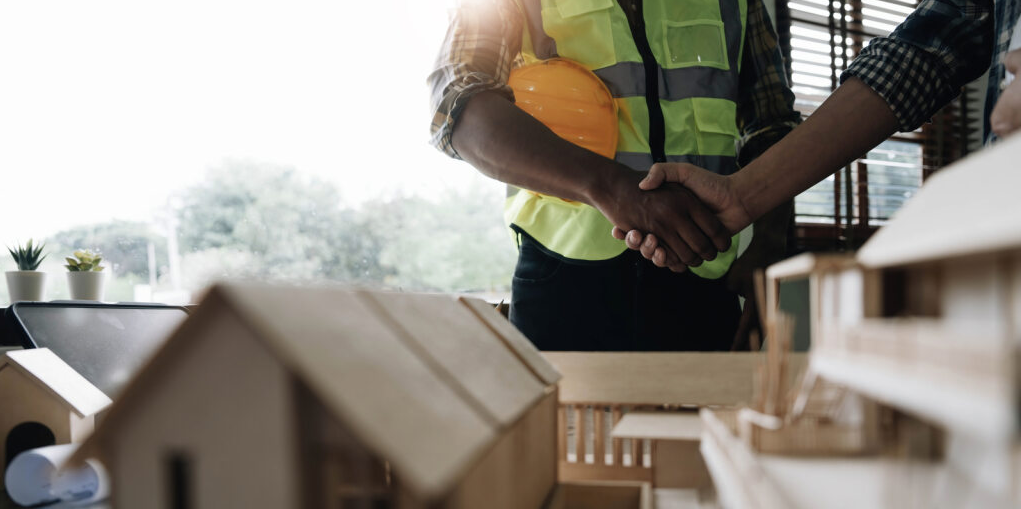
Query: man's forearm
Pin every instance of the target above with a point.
(509, 145)
(851, 122)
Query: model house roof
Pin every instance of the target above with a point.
(59, 379)
(421, 380)
(968, 208)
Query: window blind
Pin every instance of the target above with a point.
(820, 38)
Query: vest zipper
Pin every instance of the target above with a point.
(657, 133)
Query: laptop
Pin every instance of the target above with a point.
(105, 343)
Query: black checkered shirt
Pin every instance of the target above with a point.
(923, 64)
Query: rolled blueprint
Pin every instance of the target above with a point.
(36, 476)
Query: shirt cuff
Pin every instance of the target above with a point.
(910, 80)
(452, 102)
(754, 144)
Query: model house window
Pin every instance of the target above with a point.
(915, 292)
(823, 37)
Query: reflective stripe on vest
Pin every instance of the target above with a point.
(697, 45)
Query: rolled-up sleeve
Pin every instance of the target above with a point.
(483, 39)
(765, 110)
(923, 64)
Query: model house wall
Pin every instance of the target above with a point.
(215, 431)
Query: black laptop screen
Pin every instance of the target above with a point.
(106, 344)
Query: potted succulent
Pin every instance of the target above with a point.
(26, 283)
(85, 276)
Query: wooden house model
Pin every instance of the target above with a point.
(330, 397)
(925, 322)
(43, 401)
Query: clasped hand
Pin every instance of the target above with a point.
(685, 215)
(1006, 116)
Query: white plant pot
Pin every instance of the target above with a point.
(86, 285)
(25, 285)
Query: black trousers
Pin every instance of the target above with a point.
(622, 304)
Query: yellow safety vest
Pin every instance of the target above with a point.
(694, 48)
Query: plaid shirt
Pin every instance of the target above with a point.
(938, 49)
(484, 41)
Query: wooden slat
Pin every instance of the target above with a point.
(562, 432)
(618, 444)
(652, 454)
(598, 439)
(579, 433)
(636, 452)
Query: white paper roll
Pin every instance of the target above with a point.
(35, 477)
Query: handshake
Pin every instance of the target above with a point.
(678, 215)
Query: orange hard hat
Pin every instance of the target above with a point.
(569, 99)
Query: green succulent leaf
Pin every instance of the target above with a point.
(28, 256)
(84, 260)
(35, 265)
